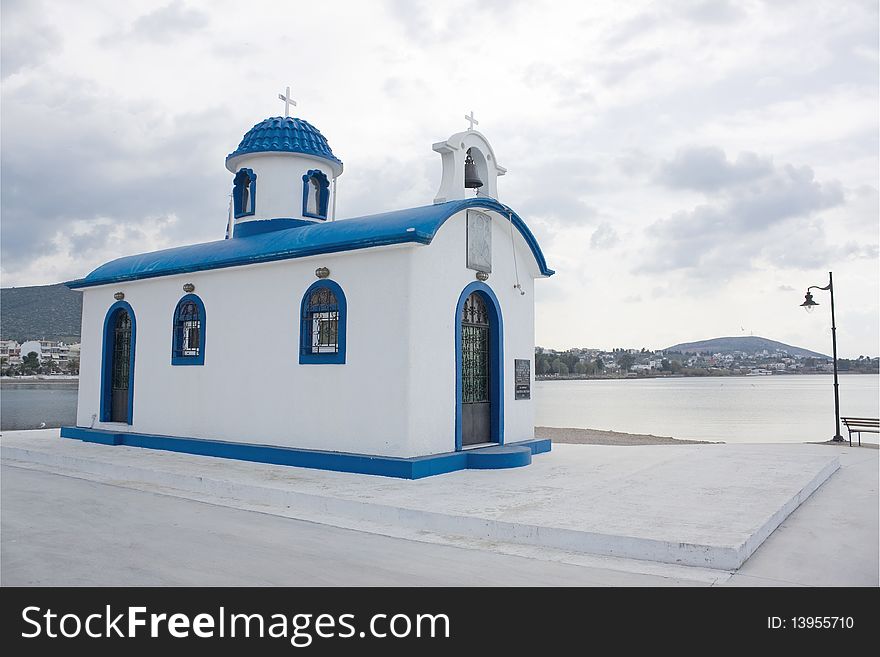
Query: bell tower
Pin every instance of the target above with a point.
(469, 166)
(284, 175)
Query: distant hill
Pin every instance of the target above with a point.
(747, 344)
(51, 312)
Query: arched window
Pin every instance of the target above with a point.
(244, 193)
(117, 364)
(322, 324)
(316, 194)
(313, 193)
(479, 362)
(189, 332)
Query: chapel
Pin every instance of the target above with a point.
(397, 344)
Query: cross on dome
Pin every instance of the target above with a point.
(288, 101)
(471, 119)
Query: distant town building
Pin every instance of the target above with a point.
(11, 351)
(45, 349)
(553, 363)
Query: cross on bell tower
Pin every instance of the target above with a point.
(472, 120)
(288, 101)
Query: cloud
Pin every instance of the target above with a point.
(555, 188)
(668, 122)
(707, 169)
(27, 40)
(718, 12)
(646, 21)
(108, 161)
(768, 214)
(616, 70)
(785, 288)
(77, 247)
(164, 24)
(604, 237)
(422, 22)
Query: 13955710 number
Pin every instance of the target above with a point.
(810, 623)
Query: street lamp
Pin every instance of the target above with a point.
(809, 305)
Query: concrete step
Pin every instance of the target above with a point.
(495, 458)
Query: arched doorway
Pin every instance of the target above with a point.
(479, 376)
(117, 371)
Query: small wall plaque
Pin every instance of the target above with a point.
(522, 370)
(119, 296)
(189, 287)
(322, 272)
(479, 241)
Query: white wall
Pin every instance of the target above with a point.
(439, 276)
(395, 395)
(266, 397)
(280, 184)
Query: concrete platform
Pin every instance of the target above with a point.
(708, 506)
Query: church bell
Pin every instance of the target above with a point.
(471, 177)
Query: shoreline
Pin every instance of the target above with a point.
(575, 436)
(638, 377)
(49, 380)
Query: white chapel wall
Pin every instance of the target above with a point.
(279, 184)
(439, 276)
(252, 387)
(394, 396)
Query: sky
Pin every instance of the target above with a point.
(689, 167)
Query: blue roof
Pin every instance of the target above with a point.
(418, 225)
(285, 135)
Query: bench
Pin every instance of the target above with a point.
(859, 424)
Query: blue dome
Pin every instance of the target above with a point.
(285, 135)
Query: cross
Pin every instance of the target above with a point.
(471, 119)
(288, 101)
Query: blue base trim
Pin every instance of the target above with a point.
(385, 466)
(259, 226)
(92, 436)
(537, 445)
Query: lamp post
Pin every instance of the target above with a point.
(809, 305)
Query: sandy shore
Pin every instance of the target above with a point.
(599, 437)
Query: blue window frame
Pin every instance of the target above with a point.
(323, 318)
(117, 375)
(188, 345)
(496, 362)
(316, 194)
(244, 193)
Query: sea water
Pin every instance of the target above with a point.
(760, 409)
(779, 408)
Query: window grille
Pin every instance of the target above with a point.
(189, 332)
(121, 350)
(321, 323)
(475, 350)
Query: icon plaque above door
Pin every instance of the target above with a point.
(479, 241)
